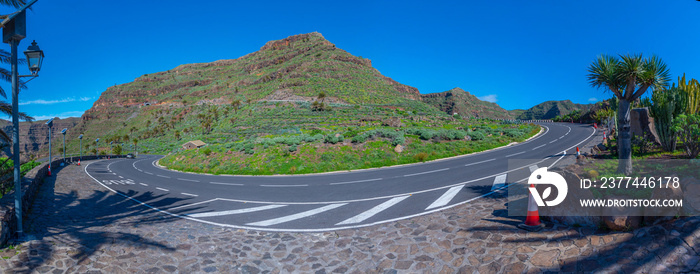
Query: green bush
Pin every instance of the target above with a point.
(476, 136)
(292, 148)
(688, 129)
(206, 151)
(421, 156)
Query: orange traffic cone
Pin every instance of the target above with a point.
(78, 161)
(532, 221)
(49, 174)
(577, 152)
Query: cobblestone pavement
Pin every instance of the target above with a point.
(81, 227)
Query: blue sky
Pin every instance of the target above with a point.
(516, 53)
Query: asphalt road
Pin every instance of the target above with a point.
(332, 201)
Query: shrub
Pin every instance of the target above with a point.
(476, 135)
(330, 138)
(421, 156)
(292, 148)
(427, 134)
(206, 151)
(688, 129)
(400, 140)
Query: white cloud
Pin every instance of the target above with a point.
(60, 115)
(592, 99)
(489, 98)
(51, 102)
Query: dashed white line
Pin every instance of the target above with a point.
(187, 194)
(148, 173)
(373, 211)
(515, 154)
(553, 141)
(499, 182)
(237, 211)
(489, 160)
(296, 216)
(187, 180)
(538, 147)
(163, 189)
(446, 198)
(283, 185)
(120, 177)
(352, 182)
(143, 184)
(228, 184)
(421, 173)
(163, 176)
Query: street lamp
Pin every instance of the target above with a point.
(81, 148)
(64, 145)
(49, 123)
(97, 147)
(14, 29)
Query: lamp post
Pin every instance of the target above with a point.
(97, 147)
(14, 29)
(64, 145)
(49, 123)
(81, 147)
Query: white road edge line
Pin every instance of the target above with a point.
(187, 194)
(293, 217)
(481, 162)
(373, 211)
(231, 212)
(163, 189)
(446, 197)
(499, 182)
(421, 173)
(352, 182)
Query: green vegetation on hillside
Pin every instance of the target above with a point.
(346, 148)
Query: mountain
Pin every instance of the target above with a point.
(549, 110)
(297, 84)
(34, 136)
(465, 104)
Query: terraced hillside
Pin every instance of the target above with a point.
(465, 104)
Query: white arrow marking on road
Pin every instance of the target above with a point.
(237, 211)
(296, 216)
(499, 182)
(446, 198)
(373, 211)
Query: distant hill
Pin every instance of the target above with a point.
(549, 110)
(465, 104)
(34, 136)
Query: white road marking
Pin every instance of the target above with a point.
(352, 182)
(538, 147)
(193, 195)
(283, 185)
(373, 211)
(553, 141)
(202, 202)
(120, 177)
(237, 211)
(228, 184)
(499, 182)
(489, 160)
(187, 180)
(296, 216)
(163, 176)
(515, 154)
(163, 189)
(446, 198)
(421, 173)
(143, 184)
(148, 173)
(533, 168)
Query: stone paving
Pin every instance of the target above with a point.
(79, 226)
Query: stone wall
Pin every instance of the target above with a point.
(30, 185)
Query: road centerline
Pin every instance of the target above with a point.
(426, 172)
(359, 181)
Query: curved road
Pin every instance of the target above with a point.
(332, 201)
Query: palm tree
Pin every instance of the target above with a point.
(628, 77)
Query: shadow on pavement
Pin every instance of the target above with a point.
(81, 219)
